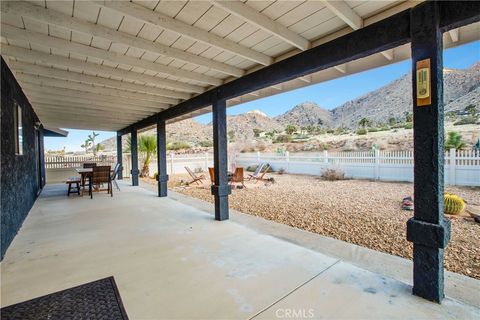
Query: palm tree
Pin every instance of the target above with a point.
(147, 144)
(364, 122)
(454, 141)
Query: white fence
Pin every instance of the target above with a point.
(461, 167)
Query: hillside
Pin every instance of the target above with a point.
(306, 114)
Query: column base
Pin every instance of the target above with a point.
(162, 185)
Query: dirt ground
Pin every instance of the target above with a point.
(366, 213)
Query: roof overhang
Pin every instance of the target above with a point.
(54, 132)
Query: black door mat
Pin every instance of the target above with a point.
(94, 300)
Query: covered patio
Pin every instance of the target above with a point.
(126, 66)
(171, 260)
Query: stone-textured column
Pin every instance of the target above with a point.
(162, 176)
(134, 152)
(221, 189)
(428, 230)
(119, 156)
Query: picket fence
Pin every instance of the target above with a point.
(462, 167)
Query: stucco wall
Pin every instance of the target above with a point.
(19, 184)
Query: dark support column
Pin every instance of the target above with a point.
(221, 189)
(428, 230)
(119, 156)
(134, 152)
(162, 158)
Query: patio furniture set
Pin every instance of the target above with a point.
(235, 177)
(97, 177)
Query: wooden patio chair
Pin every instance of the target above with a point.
(259, 176)
(101, 175)
(195, 179)
(238, 177)
(211, 172)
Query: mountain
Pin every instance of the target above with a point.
(243, 124)
(305, 114)
(394, 99)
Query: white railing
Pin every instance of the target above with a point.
(461, 167)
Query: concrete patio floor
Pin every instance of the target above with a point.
(170, 259)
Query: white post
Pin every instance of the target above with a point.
(171, 163)
(325, 157)
(377, 164)
(258, 156)
(206, 161)
(287, 160)
(452, 167)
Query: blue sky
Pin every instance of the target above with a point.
(328, 94)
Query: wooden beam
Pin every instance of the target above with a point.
(306, 79)
(41, 39)
(260, 20)
(55, 60)
(45, 81)
(389, 54)
(75, 95)
(344, 12)
(342, 68)
(81, 119)
(220, 189)
(91, 29)
(159, 19)
(454, 34)
(59, 106)
(33, 69)
(78, 114)
(162, 176)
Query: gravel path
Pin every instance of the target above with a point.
(365, 213)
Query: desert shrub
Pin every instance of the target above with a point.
(281, 171)
(253, 167)
(408, 125)
(361, 131)
(206, 143)
(398, 125)
(178, 145)
(384, 128)
(373, 130)
(330, 131)
(466, 120)
(454, 141)
(283, 138)
(323, 146)
(333, 175)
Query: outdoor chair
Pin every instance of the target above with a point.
(238, 177)
(260, 172)
(100, 175)
(195, 179)
(115, 174)
(211, 172)
(89, 165)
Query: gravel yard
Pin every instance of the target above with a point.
(365, 213)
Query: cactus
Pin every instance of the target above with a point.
(453, 204)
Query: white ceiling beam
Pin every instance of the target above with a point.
(342, 10)
(342, 68)
(82, 119)
(69, 93)
(260, 20)
(55, 60)
(49, 16)
(79, 77)
(52, 82)
(80, 126)
(159, 19)
(79, 103)
(40, 104)
(389, 54)
(454, 34)
(306, 79)
(277, 87)
(41, 111)
(113, 57)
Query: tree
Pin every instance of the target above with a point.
(454, 141)
(147, 144)
(91, 139)
(256, 132)
(392, 121)
(364, 122)
(100, 147)
(86, 145)
(290, 129)
(471, 109)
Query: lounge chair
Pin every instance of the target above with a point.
(195, 179)
(259, 173)
(238, 177)
(113, 178)
(100, 175)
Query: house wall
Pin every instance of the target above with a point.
(19, 182)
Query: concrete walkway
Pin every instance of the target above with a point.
(172, 260)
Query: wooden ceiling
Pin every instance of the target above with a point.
(107, 64)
